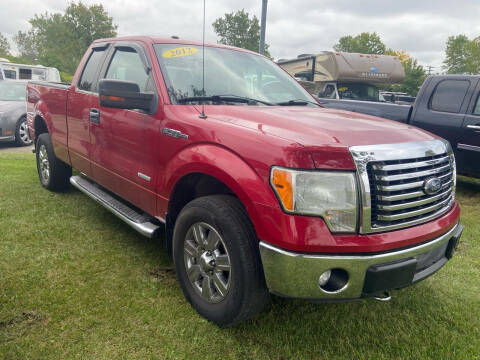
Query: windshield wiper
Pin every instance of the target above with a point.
(223, 98)
(297, 102)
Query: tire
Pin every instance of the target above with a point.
(232, 296)
(53, 173)
(22, 135)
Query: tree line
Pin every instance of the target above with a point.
(60, 39)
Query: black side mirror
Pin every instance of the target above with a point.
(124, 95)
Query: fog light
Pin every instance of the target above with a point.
(333, 281)
(323, 279)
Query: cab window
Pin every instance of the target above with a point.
(88, 80)
(127, 65)
(449, 95)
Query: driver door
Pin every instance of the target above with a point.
(124, 142)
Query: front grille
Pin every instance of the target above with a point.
(397, 189)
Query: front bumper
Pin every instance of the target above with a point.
(355, 276)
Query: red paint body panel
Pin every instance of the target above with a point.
(310, 234)
(238, 145)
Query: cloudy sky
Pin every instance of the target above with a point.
(421, 27)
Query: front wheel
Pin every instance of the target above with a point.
(217, 260)
(53, 173)
(22, 135)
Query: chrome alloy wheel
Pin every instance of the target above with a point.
(207, 262)
(23, 132)
(44, 163)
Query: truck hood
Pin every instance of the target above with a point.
(318, 127)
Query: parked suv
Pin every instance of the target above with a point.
(259, 188)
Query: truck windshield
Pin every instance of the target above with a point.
(353, 91)
(12, 91)
(227, 72)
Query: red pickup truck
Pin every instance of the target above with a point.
(259, 188)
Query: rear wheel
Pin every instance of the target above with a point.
(53, 173)
(217, 260)
(22, 135)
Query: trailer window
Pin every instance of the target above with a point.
(25, 74)
(10, 74)
(448, 95)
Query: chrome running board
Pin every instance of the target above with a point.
(140, 222)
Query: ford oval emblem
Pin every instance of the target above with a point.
(374, 70)
(432, 186)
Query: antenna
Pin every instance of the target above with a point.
(202, 115)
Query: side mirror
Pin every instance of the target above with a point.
(124, 95)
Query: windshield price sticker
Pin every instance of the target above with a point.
(179, 52)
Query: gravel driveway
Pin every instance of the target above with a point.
(10, 147)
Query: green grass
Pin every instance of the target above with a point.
(76, 283)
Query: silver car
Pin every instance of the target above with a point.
(13, 118)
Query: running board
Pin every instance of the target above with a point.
(140, 222)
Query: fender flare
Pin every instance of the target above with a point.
(225, 166)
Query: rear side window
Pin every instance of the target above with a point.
(127, 65)
(88, 81)
(449, 95)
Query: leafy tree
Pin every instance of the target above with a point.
(364, 43)
(457, 54)
(402, 55)
(415, 75)
(4, 46)
(60, 40)
(237, 29)
(27, 45)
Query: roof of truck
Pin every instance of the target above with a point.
(170, 40)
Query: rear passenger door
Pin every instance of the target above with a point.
(80, 101)
(469, 144)
(124, 142)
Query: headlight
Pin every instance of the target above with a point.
(329, 194)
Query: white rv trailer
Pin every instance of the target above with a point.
(341, 75)
(14, 71)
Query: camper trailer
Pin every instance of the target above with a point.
(341, 75)
(14, 71)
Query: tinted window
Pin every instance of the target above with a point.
(25, 74)
(449, 95)
(476, 109)
(127, 65)
(10, 74)
(88, 81)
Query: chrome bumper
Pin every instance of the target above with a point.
(297, 275)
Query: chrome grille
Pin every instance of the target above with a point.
(397, 193)
(392, 180)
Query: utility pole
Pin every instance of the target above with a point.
(429, 69)
(263, 24)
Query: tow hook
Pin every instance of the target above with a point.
(383, 296)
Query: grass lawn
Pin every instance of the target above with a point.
(77, 283)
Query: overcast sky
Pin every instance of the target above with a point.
(420, 27)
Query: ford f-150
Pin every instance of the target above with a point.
(259, 188)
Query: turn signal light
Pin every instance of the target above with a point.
(282, 182)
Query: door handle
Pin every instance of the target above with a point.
(474, 127)
(95, 116)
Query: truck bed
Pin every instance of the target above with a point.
(384, 110)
